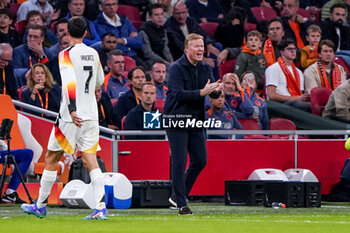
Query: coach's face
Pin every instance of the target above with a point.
(195, 51)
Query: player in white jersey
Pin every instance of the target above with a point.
(77, 123)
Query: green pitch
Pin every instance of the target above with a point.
(208, 217)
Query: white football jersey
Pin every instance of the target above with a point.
(81, 73)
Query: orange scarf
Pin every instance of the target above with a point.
(293, 83)
(248, 50)
(336, 76)
(314, 53)
(269, 53)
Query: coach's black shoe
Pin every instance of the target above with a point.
(185, 210)
(12, 198)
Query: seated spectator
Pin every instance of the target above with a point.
(285, 82)
(76, 8)
(128, 39)
(42, 91)
(230, 33)
(34, 17)
(309, 53)
(333, 28)
(158, 74)
(131, 98)
(338, 105)
(326, 6)
(30, 53)
(324, 72)
(205, 10)
(155, 40)
(39, 5)
(23, 159)
(109, 43)
(8, 85)
(115, 83)
(228, 119)
(294, 25)
(236, 99)
(275, 35)
(251, 58)
(179, 26)
(249, 84)
(61, 27)
(105, 110)
(8, 35)
(134, 120)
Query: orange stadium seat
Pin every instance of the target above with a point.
(319, 99)
(264, 13)
(209, 28)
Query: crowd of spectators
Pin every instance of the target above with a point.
(282, 60)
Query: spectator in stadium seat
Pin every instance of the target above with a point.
(35, 17)
(158, 74)
(115, 83)
(155, 40)
(338, 105)
(128, 39)
(179, 26)
(42, 90)
(134, 120)
(294, 25)
(30, 53)
(39, 5)
(220, 112)
(109, 43)
(23, 158)
(327, 6)
(309, 52)
(236, 99)
(131, 98)
(8, 35)
(205, 10)
(105, 110)
(251, 58)
(60, 27)
(334, 30)
(8, 84)
(76, 8)
(230, 33)
(249, 84)
(275, 35)
(324, 72)
(285, 82)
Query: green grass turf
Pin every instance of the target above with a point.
(208, 217)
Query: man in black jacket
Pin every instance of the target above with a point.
(8, 84)
(333, 28)
(190, 80)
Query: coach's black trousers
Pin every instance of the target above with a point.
(183, 141)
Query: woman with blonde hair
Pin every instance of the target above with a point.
(42, 90)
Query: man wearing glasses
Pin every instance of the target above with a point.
(285, 82)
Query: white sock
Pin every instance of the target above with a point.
(98, 186)
(9, 191)
(47, 180)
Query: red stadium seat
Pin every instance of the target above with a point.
(340, 61)
(209, 28)
(132, 13)
(227, 67)
(304, 13)
(13, 10)
(19, 92)
(319, 99)
(20, 26)
(159, 104)
(251, 124)
(129, 63)
(264, 13)
(278, 123)
(249, 27)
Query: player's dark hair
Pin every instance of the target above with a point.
(77, 27)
